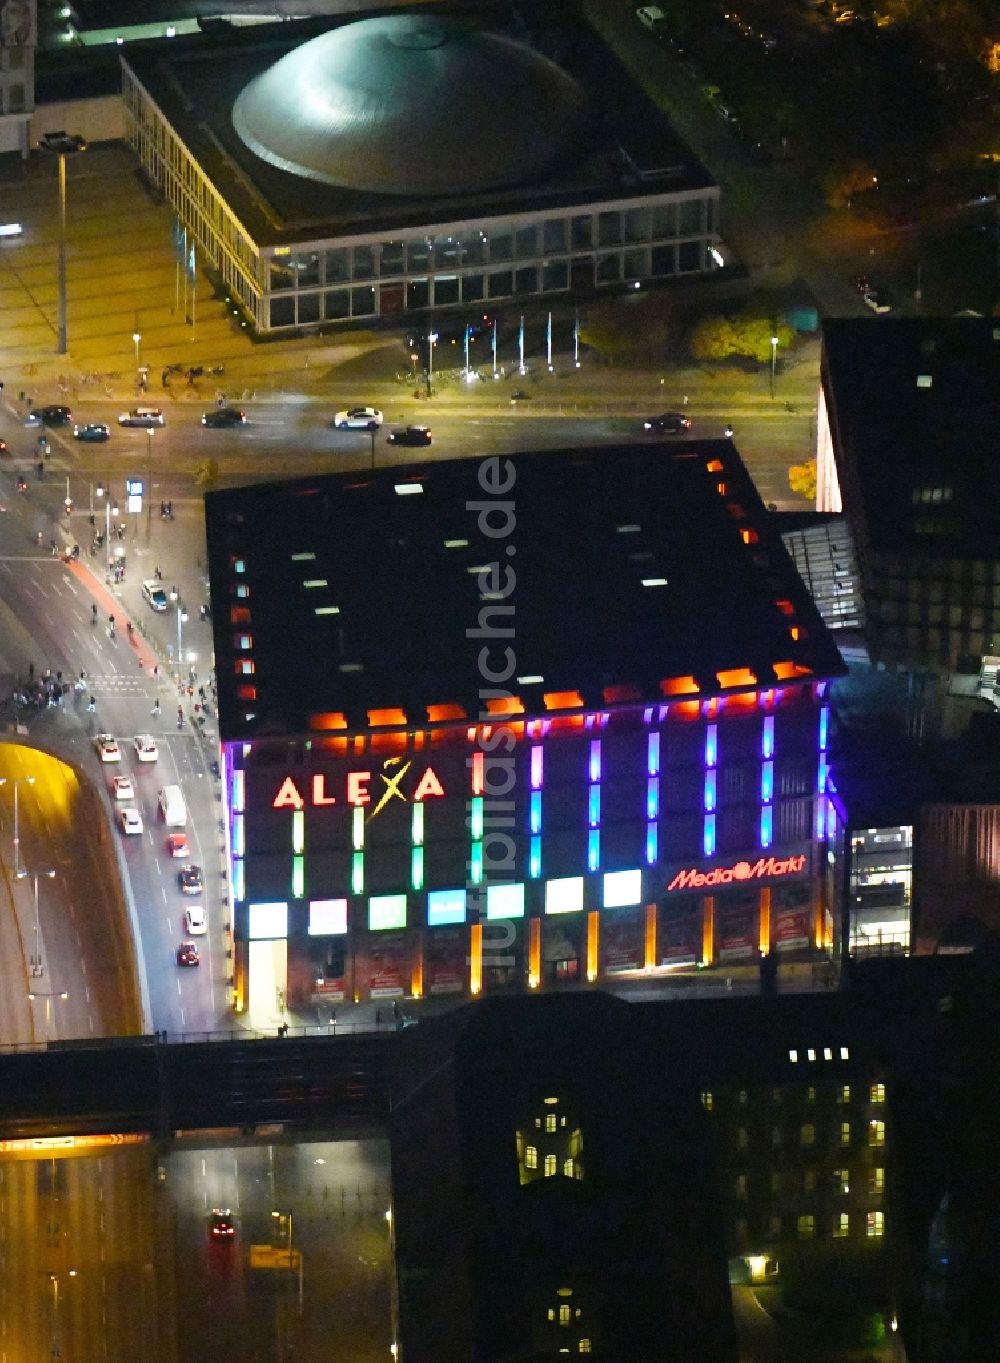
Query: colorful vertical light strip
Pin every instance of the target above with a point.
(237, 805)
(711, 790)
(822, 773)
(298, 831)
(594, 806)
(475, 820)
(417, 845)
(536, 773)
(358, 855)
(652, 796)
(298, 877)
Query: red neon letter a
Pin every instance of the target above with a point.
(288, 795)
(429, 785)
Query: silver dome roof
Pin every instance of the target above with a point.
(411, 104)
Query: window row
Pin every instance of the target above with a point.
(840, 1227)
(842, 1093)
(551, 1164)
(845, 1135)
(792, 1182)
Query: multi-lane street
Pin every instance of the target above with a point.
(106, 1253)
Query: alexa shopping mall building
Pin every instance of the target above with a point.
(448, 777)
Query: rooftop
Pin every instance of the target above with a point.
(915, 411)
(196, 81)
(636, 574)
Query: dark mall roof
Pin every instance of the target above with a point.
(397, 105)
(639, 574)
(195, 83)
(915, 411)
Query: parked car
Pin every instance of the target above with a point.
(358, 419)
(94, 432)
(154, 595)
(147, 417)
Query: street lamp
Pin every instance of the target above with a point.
(19, 872)
(37, 968)
(62, 144)
(774, 360)
(48, 997)
(431, 338)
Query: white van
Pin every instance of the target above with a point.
(173, 811)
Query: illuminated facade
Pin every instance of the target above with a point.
(549, 840)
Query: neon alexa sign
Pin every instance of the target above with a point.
(356, 788)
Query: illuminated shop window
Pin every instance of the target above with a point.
(505, 901)
(621, 889)
(876, 1093)
(875, 1225)
(327, 917)
(564, 895)
(550, 1170)
(386, 911)
(267, 921)
(445, 906)
(841, 1226)
(876, 1134)
(806, 1226)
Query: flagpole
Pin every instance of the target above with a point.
(183, 263)
(194, 286)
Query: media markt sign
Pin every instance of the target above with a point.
(756, 869)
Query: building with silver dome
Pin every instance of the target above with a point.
(414, 161)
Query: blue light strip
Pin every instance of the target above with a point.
(535, 812)
(709, 838)
(594, 807)
(653, 797)
(535, 859)
(652, 844)
(593, 849)
(711, 790)
(767, 738)
(824, 726)
(711, 787)
(766, 825)
(595, 760)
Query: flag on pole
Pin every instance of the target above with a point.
(191, 264)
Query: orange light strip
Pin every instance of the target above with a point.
(417, 973)
(505, 705)
(534, 952)
(679, 686)
(708, 930)
(390, 715)
(593, 942)
(562, 700)
(478, 771)
(737, 676)
(331, 720)
(476, 959)
(764, 921)
(649, 958)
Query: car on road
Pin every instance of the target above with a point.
(145, 748)
(130, 820)
(221, 1225)
(410, 435)
(653, 18)
(123, 788)
(189, 880)
(54, 415)
(107, 749)
(94, 432)
(146, 417)
(154, 595)
(195, 922)
(177, 846)
(187, 954)
(358, 419)
(667, 423)
(225, 416)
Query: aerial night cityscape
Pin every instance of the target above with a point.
(499, 681)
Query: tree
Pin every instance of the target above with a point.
(743, 336)
(802, 480)
(630, 328)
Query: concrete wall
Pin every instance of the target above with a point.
(98, 120)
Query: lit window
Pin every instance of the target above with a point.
(876, 1093)
(707, 1100)
(568, 1168)
(621, 889)
(810, 1054)
(585, 1346)
(564, 895)
(530, 1157)
(445, 906)
(551, 1166)
(743, 1098)
(327, 917)
(807, 1136)
(844, 1053)
(875, 1225)
(876, 1179)
(806, 1227)
(810, 1094)
(267, 922)
(793, 1057)
(845, 1133)
(538, 1123)
(386, 911)
(565, 1311)
(844, 1093)
(505, 901)
(842, 1181)
(740, 1185)
(841, 1225)
(550, 1122)
(876, 1134)
(827, 1053)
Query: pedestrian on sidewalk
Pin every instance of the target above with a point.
(155, 712)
